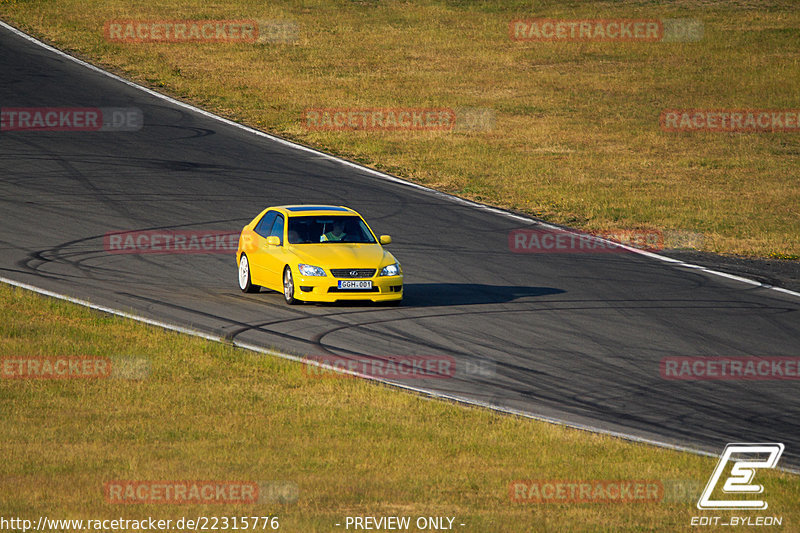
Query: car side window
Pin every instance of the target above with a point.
(265, 224)
(277, 228)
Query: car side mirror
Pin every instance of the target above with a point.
(273, 240)
(386, 239)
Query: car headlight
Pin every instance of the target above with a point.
(310, 270)
(390, 270)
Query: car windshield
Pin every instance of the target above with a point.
(327, 229)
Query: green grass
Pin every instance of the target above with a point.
(576, 138)
(208, 411)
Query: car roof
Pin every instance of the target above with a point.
(315, 209)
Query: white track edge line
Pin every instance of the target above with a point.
(374, 172)
(303, 360)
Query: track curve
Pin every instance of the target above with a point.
(577, 338)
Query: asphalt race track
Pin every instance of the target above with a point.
(574, 337)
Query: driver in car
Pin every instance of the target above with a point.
(336, 234)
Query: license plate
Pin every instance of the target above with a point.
(348, 284)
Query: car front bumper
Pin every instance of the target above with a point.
(325, 289)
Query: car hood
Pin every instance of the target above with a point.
(343, 255)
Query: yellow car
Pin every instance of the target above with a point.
(317, 253)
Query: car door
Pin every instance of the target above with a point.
(258, 255)
(275, 256)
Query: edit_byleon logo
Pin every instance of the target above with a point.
(746, 458)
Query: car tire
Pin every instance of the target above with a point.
(288, 286)
(244, 276)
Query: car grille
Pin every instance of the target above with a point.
(351, 273)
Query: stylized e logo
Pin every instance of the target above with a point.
(741, 476)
